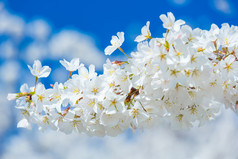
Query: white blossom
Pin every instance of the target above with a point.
(116, 43)
(24, 124)
(86, 74)
(12, 96)
(71, 66)
(39, 71)
(145, 33)
(184, 78)
(39, 97)
(170, 23)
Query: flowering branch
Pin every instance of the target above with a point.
(184, 78)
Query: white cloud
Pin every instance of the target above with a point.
(34, 51)
(38, 29)
(66, 44)
(179, 2)
(223, 6)
(44, 44)
(9, 71)
(11, 24)
(7, 49)
(5, 116)
(214, 140)
(71, 44)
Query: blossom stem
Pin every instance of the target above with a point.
(70, 74)
(35, 83)
(167, 32)
(123, 52)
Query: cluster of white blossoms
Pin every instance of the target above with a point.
(183, 78)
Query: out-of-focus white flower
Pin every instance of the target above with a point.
(71, 66)
(110, 120)
(55, 96)
(116, 43)
(229, 68)
(87, 74)
(39, 97)
(12, 96)
(228, 36)
(138, 114)
(38, 70)
(170, 23)
(145, 33)
(24, 124)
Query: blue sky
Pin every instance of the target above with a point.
(101, 19)
(90, 25)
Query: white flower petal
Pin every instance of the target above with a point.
(163, 18)
(140, 38)
(24, 124)
(109, 50)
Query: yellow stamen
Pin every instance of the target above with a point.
(135, 113)
(95, 91)
(174, 72)
(193, 59)
(45, 120)
(40, 97)
(179, 117)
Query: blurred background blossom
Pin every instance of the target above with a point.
(58, 29)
